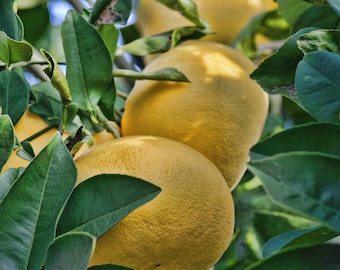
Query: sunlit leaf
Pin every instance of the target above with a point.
(119, 195)
(13, 51)
(57, 77)
(12, 101)
(70, 251)
(109, 34)
(307, 182)
(29, 211)
(298, 239)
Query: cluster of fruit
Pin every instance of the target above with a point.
(190, 139)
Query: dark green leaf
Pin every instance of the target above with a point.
(9, 20)
(119, 195)
(276, 75)
(318, 85)
(7, 179)
(109, 12)
(70, 251)
(307, 182)
(335, 5)
(57, 77)
(165, 74)
(107, 102)
(320, 40)
(7, 139)
(313, 137)
(29, 211)
(89, 66)
(318, 16)
(14, 94)
(298, 239)
(13, 51)
(312, 258)
(188, 9)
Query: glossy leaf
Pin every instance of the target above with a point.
(312, 258)
(110, 12)
(9, 20)
(57, 77)
(12, 51)
(7, 140)
(119, 195)
(276, 75)
(318, 85)
(7, 179)
(318, 16)
(307, 182)
(188, 9)
(70, 251)
(165, 74)
(313, 137)
(14, 94)
(88, 61)
(298, 239)
(291, 10)
(335, 5)
(29, 211)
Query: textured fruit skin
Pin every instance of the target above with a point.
(225, 17)
(188, 225)
(221, 113)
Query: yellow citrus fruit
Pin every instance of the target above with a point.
(226, 18)
(188, 225)
(220, 113)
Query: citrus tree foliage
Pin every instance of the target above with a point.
(287, 204)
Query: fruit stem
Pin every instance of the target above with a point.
(105, 123)
(44, 130)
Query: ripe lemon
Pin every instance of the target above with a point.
(30, 124)
(226, 18)
(221, 113)
(188, 225)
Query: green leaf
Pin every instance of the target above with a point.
(320, 40)
(298, 239)
(318, 16)
(12, 51)
(57, 77)
(7, 139)
(307, 182)
(70, 251)
(335, 5)
(119, 195)
(291, 10)
(276, 75)
(29, 211)
(109, 12)
(188, 9)
(107, 102)
(311, 258)
(318, 85)
(9, 20)
(89, 66)
(14, 94)
(165, 74)
(308, 137)
(109, 33)
(7, 179)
